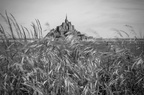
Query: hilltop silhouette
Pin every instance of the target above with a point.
(67, 30)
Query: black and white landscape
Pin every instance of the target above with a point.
(71, 47)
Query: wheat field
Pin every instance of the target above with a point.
(47, 66)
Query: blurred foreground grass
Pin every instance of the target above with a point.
(48, 66)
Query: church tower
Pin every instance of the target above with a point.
(66, 21)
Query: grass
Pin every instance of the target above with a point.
(48, 66)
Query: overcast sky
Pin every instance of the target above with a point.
(92, 17)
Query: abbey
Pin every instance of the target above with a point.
(66, 26)
(66, 29)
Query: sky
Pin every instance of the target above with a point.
(98, 18)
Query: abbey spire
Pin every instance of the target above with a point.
(66, 21)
